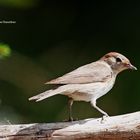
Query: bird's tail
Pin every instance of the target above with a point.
(43, 95)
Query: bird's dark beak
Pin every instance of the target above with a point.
(130, 66)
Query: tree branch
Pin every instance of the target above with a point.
(121, 127)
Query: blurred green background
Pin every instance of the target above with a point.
(51, 38)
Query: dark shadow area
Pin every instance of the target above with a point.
(51, 38)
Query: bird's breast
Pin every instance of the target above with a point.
(103, 88)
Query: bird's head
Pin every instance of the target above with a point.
(117, 62)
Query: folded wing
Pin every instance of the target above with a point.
(97, 71)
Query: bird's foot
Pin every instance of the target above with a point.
(71, 119)
(104, 118)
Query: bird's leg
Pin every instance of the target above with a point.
(70, 102)
(100, 110)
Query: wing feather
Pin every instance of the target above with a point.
(98, 71)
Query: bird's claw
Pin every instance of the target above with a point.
(70, 120)
(104, 118)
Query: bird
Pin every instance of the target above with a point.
(89, 82)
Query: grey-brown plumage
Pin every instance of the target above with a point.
(86, 74)
(89, 82)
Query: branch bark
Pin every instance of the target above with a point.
(123, 127)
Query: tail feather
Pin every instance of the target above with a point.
(49, 93)
(43, 95)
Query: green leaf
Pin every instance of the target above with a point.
(5, 50)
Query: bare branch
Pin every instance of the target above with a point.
(121, 127)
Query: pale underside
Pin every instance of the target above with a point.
(87, 92)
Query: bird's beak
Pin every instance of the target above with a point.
(130, 66)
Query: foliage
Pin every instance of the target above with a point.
(5, 50)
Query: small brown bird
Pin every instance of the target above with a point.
(89, 82)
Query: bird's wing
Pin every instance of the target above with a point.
(97, 71)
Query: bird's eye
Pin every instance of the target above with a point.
(118, 59)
